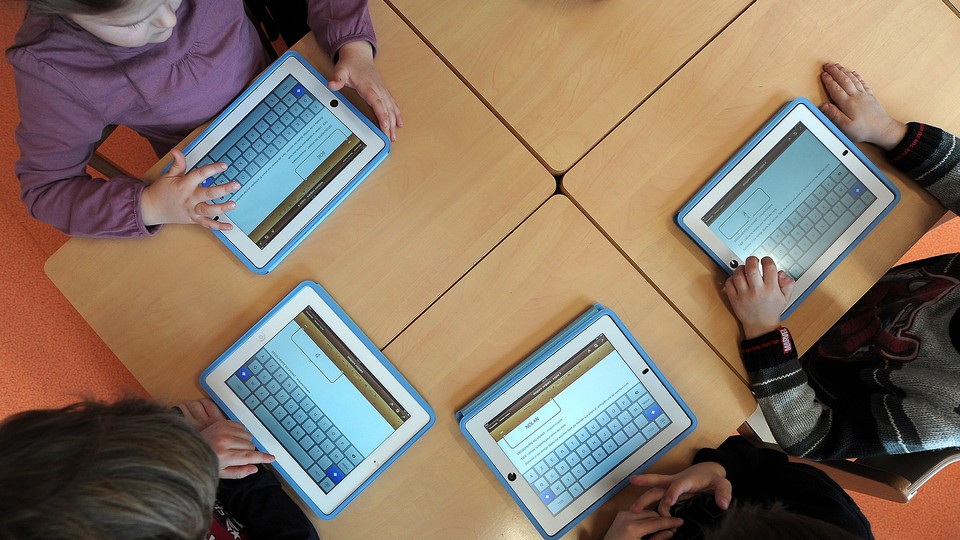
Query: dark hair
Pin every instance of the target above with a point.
(773, 522)
(131, 469)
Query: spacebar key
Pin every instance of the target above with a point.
(281, 435)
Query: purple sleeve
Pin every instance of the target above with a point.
(337, 22)
(57, 132)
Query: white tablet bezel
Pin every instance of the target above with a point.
(216, 382)
(680, 422)
(693, 219)
(374, 145)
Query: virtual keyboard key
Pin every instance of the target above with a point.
(325, 423)
(336, 455)
(599, 454)
(547, 496)
(345, 466)
(291, 407)
(251, 401)
(541, 468)
(342, 443)
(604, 434)
(620, 438)
(333, 433)
(271, 402)
(531, 476)
(552, 476)
(324, 462)
(573, 459)
(562, 451)
(623, 402)
(298, 433)
(614, 425)
(262, 393)
(610, 445)
(551, 459)
(557, 487)
(238, 387)
(568, 480)
(593, 442)
(583, 435)
(575, 490)
(589, 463)
(630, 429)
(663, 420)
(562, 468)
(541, 484)
(613, 410)
(288, 422)
(353, 455)
(334, 473)
(328, 446)
(316, 473)
(327, 484)
(315, 415)
(603, 418)
(300, 416)
(650, 430)
(315, 452)
(578, 471)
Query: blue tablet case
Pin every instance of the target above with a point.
(528, 365)
(798, 102)
(272, 263)
(368, 344)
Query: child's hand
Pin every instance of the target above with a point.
(355, 69)
(230, 440)
(856, 111)
(178, 198)
(667, 489)
(758, 301)
(634, 526)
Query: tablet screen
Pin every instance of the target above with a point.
(283, 153)
(577, 424)
(792, 205)
(319, 401)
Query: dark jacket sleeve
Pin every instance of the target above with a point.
(931, 157)
(802, 424)
(265, 510)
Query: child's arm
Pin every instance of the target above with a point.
(344, 30)
(925, 153)
(802, 425)
(57, 133)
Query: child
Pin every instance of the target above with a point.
(136, 469)
(161, 67)
(886, 378)
(738, 491)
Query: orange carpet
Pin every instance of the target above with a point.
(49, 356)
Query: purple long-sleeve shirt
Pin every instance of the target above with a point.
(71, 85)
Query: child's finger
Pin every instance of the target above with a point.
(196, 410)
(839, 74)
(235, 458)
(769, 270)
(751, 271)
(213, 224)
(835, 115)
(786, 283)
(239, 471)
(722, 492)
(646, 500)
(179, 165)
(200, 174)
(211, 409)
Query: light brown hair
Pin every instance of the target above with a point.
(132, 469)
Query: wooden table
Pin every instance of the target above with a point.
(563, 73)
(551, 269)
(636, 180)
(456, 183)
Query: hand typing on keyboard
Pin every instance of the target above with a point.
(232, 443)
(176, 197)
(758, 298)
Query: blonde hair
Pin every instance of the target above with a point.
(131, 469)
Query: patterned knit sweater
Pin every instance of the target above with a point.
(886, 378)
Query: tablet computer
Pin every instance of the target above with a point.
(565, 431)
(798, 191)
(296, 148)
(317, 394)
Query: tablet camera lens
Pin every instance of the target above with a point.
(334, 103)
(512, 476)
(734, 263)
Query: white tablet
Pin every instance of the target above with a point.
(317, 394)
(799, 191)
(296, 148)
(568, 433)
